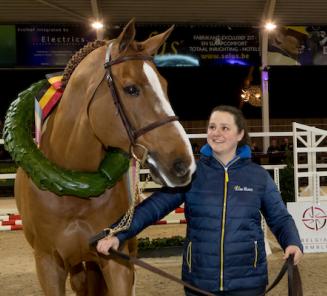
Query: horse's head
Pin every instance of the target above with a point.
(134, 112)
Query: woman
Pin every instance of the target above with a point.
(224, 248)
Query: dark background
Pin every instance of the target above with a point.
(294, 91)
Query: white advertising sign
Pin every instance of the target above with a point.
(311, 221)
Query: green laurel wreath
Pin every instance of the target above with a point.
(46, 175)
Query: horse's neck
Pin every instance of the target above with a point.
(70, 142)
(68, 139)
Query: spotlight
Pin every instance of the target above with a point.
(97, 25)
(270, 26)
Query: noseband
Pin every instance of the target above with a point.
(133, 134)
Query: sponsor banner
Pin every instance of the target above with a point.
(199, 45)
(7, 45)
(188, 45)
(311, 221)
(298, 45)
(50, 44)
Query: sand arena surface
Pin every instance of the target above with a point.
(18, 276)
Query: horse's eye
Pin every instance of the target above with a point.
(132, 90)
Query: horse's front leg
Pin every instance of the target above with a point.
(119, 276)
(51, 273)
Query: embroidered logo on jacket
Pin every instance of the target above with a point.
(240, 188)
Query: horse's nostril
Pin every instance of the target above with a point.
(180, 168)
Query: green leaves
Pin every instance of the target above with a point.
(147, 244)
(45, 174)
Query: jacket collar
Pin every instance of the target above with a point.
(243, 152)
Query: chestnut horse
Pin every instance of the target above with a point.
(76, 137)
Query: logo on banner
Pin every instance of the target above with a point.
(314, 218)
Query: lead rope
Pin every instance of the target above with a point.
(134, 193)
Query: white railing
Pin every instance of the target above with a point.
(152, 185)
(7, 176)
(276, 168)
(148, 185)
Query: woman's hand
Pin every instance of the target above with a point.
(293, 250)
(105, 244)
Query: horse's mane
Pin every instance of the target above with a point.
(77, 58)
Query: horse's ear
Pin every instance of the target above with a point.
(126, 36)
(151, 45)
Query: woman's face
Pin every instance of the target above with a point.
(223, 134)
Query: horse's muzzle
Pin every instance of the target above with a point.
(177, 174)
(180, 168)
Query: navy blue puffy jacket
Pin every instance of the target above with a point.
(224, 247)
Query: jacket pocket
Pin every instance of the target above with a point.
(189, 256)
(255, 261)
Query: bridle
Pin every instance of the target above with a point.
(133, 134)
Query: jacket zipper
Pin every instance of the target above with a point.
(255, 254)
(223, 222)
(189, 256)
(223, 232)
